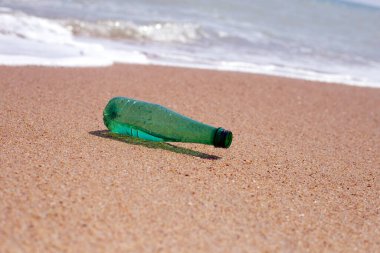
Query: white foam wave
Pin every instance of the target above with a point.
(33, 28)
(294, 72)
(158, 31)
(273, 70)
(29, 40)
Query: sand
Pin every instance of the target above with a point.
(302, 173)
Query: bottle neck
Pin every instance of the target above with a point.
(222, 138)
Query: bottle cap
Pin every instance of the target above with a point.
(222, 138)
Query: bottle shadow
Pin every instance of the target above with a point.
(150, 144)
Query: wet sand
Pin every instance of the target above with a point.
(302, 172)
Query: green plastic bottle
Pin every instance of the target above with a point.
(154, 122)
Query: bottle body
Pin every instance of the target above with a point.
(156, 123)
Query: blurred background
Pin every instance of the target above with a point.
(326, 40)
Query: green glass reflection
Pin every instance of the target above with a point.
(154, 122)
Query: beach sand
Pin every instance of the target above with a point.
(302, 172)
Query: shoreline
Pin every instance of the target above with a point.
(328, 79)
(301, 174)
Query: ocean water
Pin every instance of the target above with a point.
(325, 40)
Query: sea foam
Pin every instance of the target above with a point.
(194, 41)
(30, 40)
